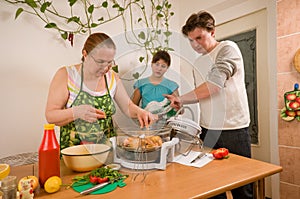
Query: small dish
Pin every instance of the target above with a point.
(116, 167)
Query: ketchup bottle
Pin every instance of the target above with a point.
(49, 155)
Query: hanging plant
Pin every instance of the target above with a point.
(82, 16)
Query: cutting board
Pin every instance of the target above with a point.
(103, 190)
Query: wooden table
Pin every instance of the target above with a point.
(177, 181)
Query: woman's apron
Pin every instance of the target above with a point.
(82, 132)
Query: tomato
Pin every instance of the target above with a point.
(101, 180)
(98, 180)
(217, 154)
(220, 153)
(94, 179)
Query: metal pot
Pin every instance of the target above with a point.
(140, 153)
(135, 156)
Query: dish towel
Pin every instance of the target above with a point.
(186, 159)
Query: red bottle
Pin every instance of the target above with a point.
(49, 155)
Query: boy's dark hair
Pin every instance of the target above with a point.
(161, 54)
(202, 19)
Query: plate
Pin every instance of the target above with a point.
(297, 60)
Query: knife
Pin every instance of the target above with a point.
(99, 186)
(201, 155)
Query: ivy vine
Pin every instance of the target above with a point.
(82, 16)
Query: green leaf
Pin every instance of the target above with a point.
(91, 9)
(105, 4)
(93, 25)
(19, 11)
(116, 68)
(158, 7)
(72, 2)
(121, 9)
(64, 35)
(171, 13)
(101, 19)
(75, 19)
(139, 19)
(136, 75)
(147, 43)
(168, 33)
(115, 5)
(160, 15)
(157, 49)
(45, 6)
(50, 25)
(142, 35)
(141, 59)
(31, 3)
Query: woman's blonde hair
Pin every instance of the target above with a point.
(97, 40)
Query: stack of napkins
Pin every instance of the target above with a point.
(186, 159)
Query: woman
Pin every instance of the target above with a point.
(153, 87)
(80, 98)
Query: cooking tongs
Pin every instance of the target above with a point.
(161, 121)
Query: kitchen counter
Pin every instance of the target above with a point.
(20, 159)
(177, 181)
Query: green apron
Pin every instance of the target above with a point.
(82, 132)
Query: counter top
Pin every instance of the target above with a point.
(177, 181)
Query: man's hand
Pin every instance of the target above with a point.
(175, 101)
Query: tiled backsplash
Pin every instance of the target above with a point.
(288, 42)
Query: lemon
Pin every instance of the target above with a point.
(4, 170)
(52, 184)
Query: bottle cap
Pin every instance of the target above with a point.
(49, 126)
(296, 86)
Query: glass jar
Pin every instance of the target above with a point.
(9, 187)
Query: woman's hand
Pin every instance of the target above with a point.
(146, 118)
(88, 113)
(175, 101)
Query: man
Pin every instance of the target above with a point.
(220, 91)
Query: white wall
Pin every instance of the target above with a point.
(30, 56)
